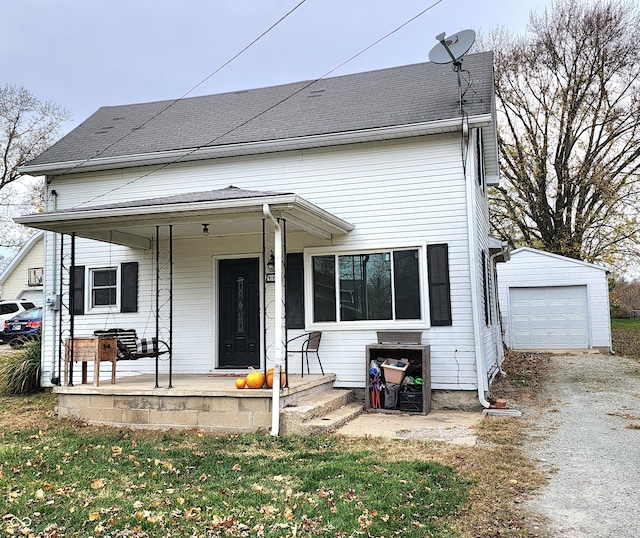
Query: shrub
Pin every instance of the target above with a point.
(20, 373)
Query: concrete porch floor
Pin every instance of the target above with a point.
(191, 385)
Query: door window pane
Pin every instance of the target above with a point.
(240, 305)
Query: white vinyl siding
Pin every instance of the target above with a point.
(15, 285)
(397, 194)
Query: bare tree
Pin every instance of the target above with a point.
(19, 200)
(569, 131)
(625, 297)
(27, 127)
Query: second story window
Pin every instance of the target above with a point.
(36, 275)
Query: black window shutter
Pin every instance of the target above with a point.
(439, 285)
(485, 287)
(78, 290)
(129, 287)
(295, 291)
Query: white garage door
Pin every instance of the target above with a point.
(554, 317)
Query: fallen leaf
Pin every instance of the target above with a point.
(98, 483)
(93, 516)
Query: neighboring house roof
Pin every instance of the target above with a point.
(529, 250)
(22, 253)
(381, 104)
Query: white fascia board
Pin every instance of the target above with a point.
(253, 148)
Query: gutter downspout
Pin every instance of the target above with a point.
(475, 308)
(277, 367)
(54, 379)
(496, 311)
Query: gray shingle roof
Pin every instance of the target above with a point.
(398, 96)
(217, 195)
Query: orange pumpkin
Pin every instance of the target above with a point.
(255, 380)
(240, 383)
(283, 378)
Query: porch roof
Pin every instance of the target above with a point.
(227, 211)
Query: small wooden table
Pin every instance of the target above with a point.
(91, 349)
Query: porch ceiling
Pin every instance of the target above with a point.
(229, 211)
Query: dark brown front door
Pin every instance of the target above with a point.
(239, 313)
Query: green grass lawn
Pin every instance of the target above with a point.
(626, 324)
(86, 481)
(64, 478)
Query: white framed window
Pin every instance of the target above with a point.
(103, 287)
(100, 289)
(379, 285)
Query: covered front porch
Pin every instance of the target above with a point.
(204, 286)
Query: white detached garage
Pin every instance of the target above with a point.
(548, 301)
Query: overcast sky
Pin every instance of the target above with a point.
(84, 54)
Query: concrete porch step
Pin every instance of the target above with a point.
(319, 412)
(335, 419)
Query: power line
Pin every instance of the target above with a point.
(172, 103)
(259, 114)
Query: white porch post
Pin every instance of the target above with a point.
(277, 367)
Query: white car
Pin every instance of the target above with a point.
(8, 309)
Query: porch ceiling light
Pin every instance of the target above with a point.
(205, 230)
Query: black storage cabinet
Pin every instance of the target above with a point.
(418, 402)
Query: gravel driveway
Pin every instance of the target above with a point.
(588, 438)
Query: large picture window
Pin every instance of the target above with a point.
(374, 286)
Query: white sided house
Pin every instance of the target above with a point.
(553, 302)
(23, 278)
(368, 189)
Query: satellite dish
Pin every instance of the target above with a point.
(452, 48)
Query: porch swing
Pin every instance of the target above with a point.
(116, 344)
(128, 345)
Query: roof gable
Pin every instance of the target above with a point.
(34, 240)
(528, 251)
(409, 95)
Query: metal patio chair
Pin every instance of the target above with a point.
(309, 345)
